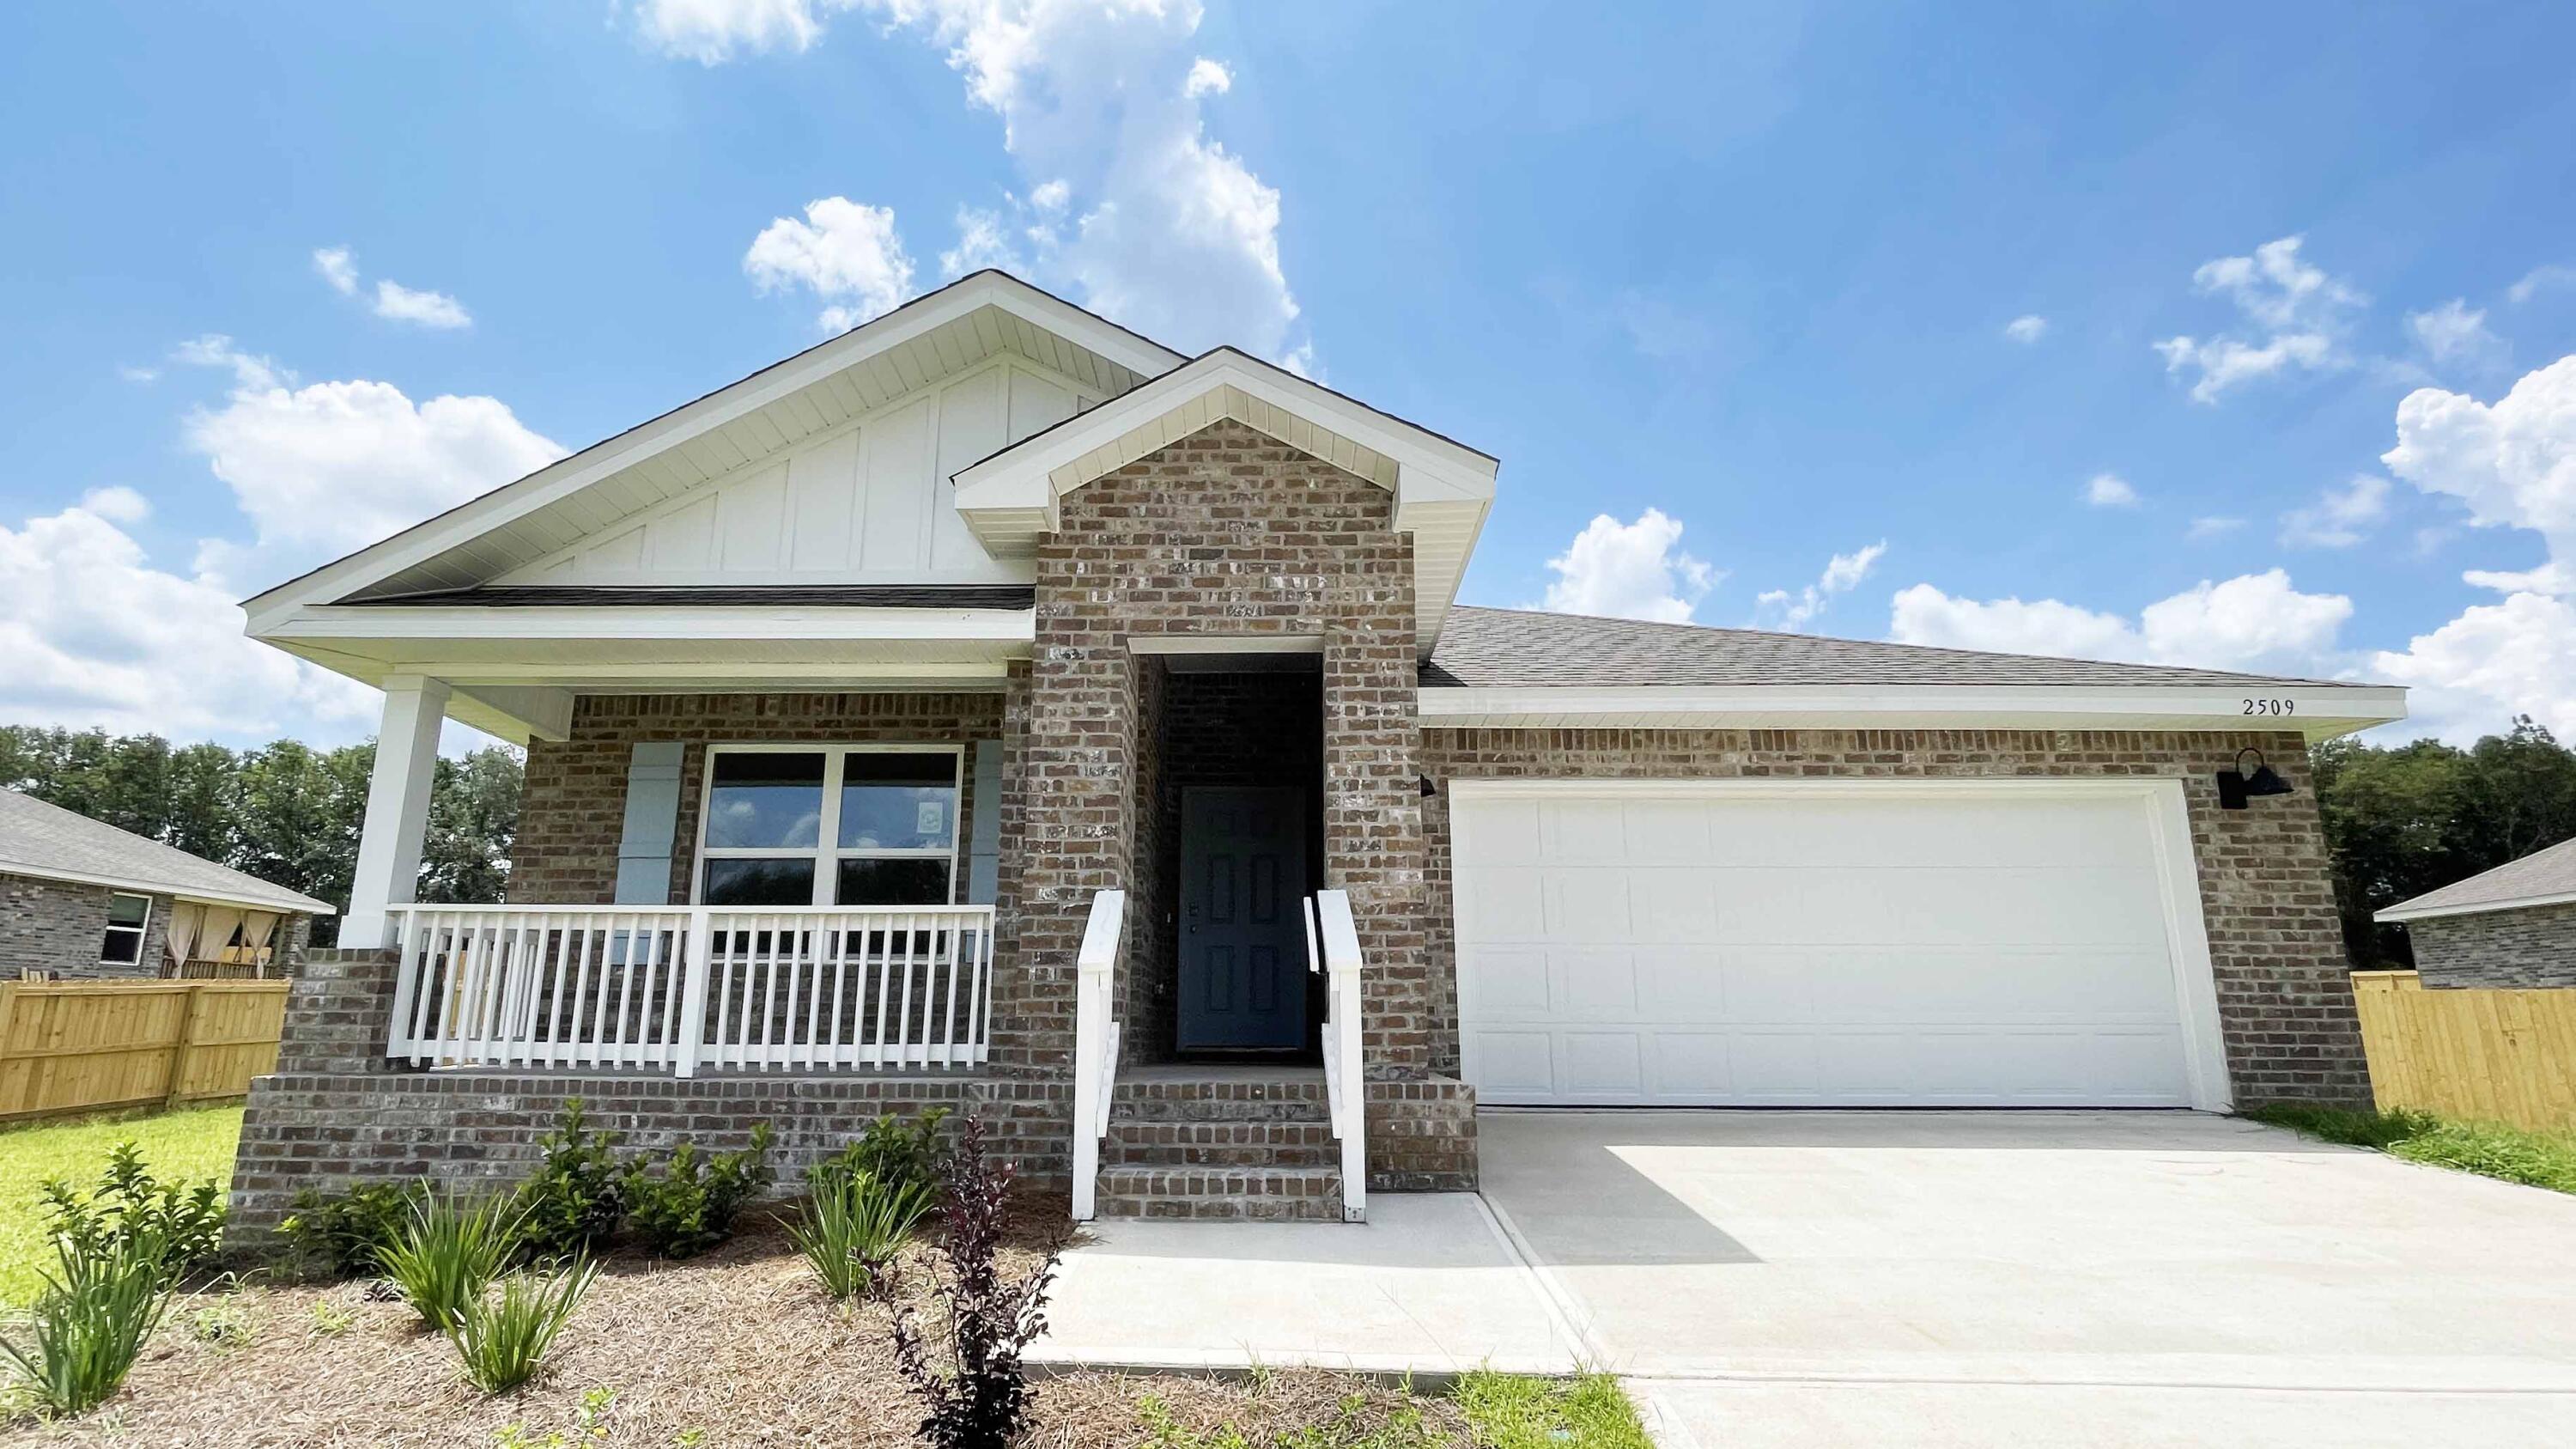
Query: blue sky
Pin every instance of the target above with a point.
(1733, 296)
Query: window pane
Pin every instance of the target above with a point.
(759, 883)
(128, 910)
(765, 801)
(898, 802)
(123, 948)
(913, 881)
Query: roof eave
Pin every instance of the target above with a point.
(2409, 911)
(2317, 712)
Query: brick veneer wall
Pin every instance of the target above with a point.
(573, 810)
(2535, 946)
(1223, 532)
(60, 926)
(2284, 995)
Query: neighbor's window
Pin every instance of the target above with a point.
(126, 918)
(842, 825)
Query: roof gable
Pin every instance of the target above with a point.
(940, 335)
(2544, 877)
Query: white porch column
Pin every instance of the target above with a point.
(397, 808)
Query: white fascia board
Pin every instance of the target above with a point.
(2478, 908)
(750, 621)
(285, 901)
(1021, 477)
(2318, 712)
(477, 516)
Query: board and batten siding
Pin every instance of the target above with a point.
(865, 502)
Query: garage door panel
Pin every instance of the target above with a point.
(1840, 948)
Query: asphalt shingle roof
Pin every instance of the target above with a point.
(1519, 648)
(48, 841)
(2543, 873)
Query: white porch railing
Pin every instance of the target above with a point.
(1345, 1083)
(1095, 1044)
(681, 988)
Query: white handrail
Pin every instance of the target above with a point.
(1345, 1083)
(680, 988)
(1095, 1044)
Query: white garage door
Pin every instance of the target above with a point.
(1862, 943)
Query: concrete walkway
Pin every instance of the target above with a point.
(1427, 1285)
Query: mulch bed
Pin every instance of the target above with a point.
(740, 1345)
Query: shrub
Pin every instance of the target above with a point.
(981, 1399)
(345, 1234)
(578, 1197)
(446, 1254)
(503, 1339)
(691, 1206)
(851, 1231)
(893, 1149)
(91, 1321)
(129, 1208)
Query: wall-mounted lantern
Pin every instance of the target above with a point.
(2236, 786)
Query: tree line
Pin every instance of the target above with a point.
(2399, 819)
(286, 812)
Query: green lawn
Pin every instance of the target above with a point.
(1511, 1412)
(2537, 1159)
(176, 1145)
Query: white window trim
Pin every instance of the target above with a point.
(142, 932)
(827, 851)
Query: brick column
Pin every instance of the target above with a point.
(339, 1014)
(1373, 845)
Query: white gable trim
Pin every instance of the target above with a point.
(466, 521)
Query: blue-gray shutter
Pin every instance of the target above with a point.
(984, 847)
(652, 820)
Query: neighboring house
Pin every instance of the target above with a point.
(78, 898)
(2514, 925)
(861, 696)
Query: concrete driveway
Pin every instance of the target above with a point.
(2102, 1278)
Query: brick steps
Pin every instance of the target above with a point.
(1233, 1145)
(1247, 1194)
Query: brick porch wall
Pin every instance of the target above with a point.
(573, 810)
(2284, 995)
(2535, 946)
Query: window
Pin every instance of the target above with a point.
(849, 825)
(126, 918)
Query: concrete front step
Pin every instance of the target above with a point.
(1256, 1194)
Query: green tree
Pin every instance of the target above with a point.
(473, 820)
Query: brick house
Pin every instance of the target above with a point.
(991, 707)
(80, 898)
(2513, 926)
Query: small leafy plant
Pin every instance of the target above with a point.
(578, 1196)
(222, 1323)
(892, 1149)
(691, 1206)
(342, 1234)
(130, 1208)
(980, 1398)
(851, 1231)
(447, 1254)
(91, 1321)
(330, 1320)
(503, 1338)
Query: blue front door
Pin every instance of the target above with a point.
(1242, 929)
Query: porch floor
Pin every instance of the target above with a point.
(1222, 1072)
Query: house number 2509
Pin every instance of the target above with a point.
(2271, 706)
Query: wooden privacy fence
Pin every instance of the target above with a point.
(2487, 1055)
(80, 1046)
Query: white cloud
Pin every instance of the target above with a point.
(2298, 315)
(2455, 332)
(2211, 526)
(2255, 622)
(1629, 571)
(337, 268)
(2110, 490)
(1051, 196)
(398, 303)
(139, 374)
(249, 369)
(2473, 674)
(847, 253)
(2028, 328)
(327, 468)
(981, 243)
(1844, 571)
(95, 636)
(117, 504)
(1207, 78)
(2540, 279)
(2340, 517)
(711, 32)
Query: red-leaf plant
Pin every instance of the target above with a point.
(982, 1402)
